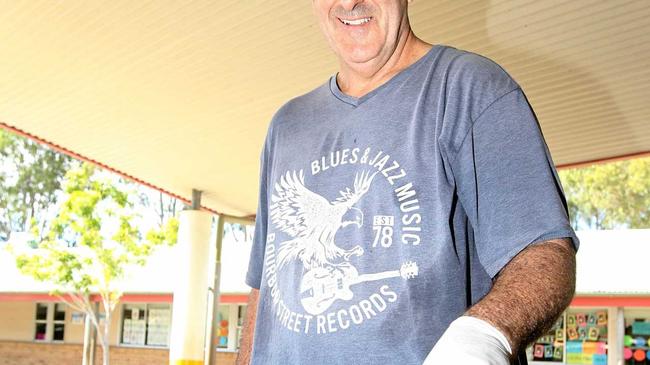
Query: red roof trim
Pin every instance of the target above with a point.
(72, 154)
(611, 301)
(26, 297)
(232, 298)
(36, 297)
(147, 298)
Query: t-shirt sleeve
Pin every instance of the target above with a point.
(256, 261)
(507, 183)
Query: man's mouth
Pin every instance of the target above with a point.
(359, 21)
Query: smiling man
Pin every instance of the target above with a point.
(409, 210)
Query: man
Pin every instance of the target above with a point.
(409, 210)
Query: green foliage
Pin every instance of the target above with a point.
(93, 238)
(30, 177)
(607, 196)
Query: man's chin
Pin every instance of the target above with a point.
(358, 54)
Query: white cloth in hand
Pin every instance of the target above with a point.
(470, 341)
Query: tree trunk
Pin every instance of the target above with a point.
(106, 341)
(93, 338)
(87, 334)
(162, 210)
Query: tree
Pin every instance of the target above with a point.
(97, 216)
(611, 195)
(30, 177)
(164, 206)
(239, 232)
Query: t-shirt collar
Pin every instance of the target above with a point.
(356, 101)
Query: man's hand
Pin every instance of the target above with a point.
(471, 341)
(246, 344)
(528, 295)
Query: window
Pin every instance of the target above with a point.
(41, 321)
(241, 311)
(229, 325)
(158, 324)
(146, 324)
(49, 322)
(578, 337)
(223, 324)
(59, 322)
(586, 335)
(134, 324)
(550, 347)
(637, 337)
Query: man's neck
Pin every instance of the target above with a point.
(358, 80)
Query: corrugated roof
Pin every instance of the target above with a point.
(179, 94)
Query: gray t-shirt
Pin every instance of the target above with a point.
(381, 219)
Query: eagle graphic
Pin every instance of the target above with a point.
(312, 221)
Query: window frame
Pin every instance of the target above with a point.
(59, 321)
(234, 328)
(146, 305)
(49, 321)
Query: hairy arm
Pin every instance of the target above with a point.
(246, 345)
(530, 292)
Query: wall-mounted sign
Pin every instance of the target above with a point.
(77, 318)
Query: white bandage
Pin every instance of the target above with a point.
(470, 341)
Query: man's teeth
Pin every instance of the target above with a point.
(356, 21)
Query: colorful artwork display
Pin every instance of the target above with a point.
(571, 320)
(550, 347)
(637, 343)
(222, 332)
(587, 338)
(602, 318)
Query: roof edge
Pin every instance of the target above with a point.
(628, 156)
(81, 157)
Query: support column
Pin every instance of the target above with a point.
(615, 331)
(190, 289)
(211, 352)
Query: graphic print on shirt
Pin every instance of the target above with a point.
(309, 223)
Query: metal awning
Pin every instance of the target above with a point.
(179, 94)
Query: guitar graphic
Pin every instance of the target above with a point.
(320, 287)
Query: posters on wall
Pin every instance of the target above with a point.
(550, 347)
(146, 325)
(134, 326)
(637, 342)
(587, 338)
(159, 323)
(133, 332)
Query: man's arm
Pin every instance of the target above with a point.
(246, 345)
(530, 292)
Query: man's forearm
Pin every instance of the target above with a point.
(530, 292)
(246, 344)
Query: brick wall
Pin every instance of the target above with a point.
(25, 353)
(30, 353)
(226, 358)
